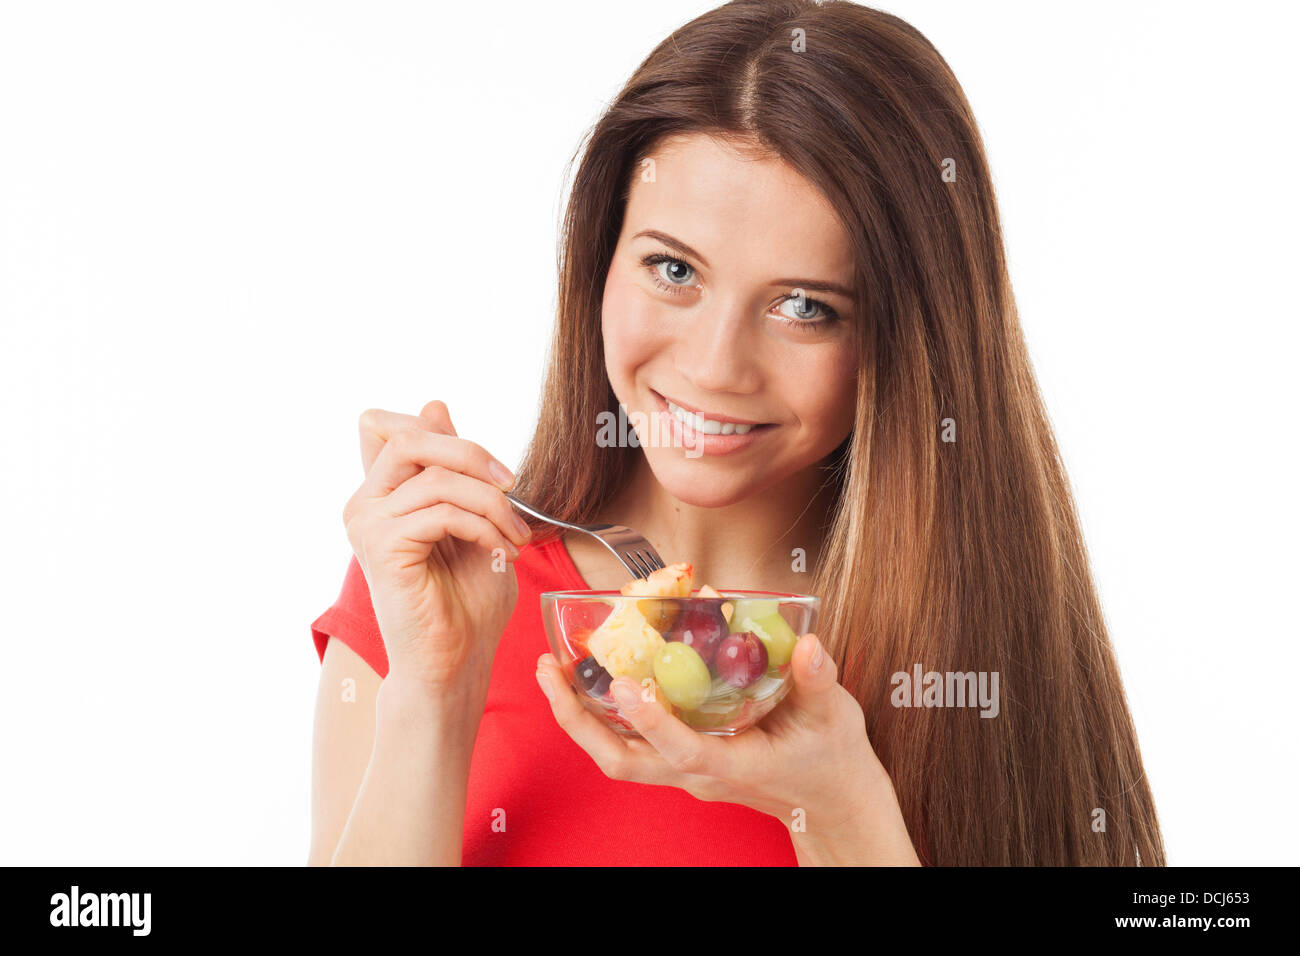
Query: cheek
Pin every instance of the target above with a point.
(826, 398)
(632, 330)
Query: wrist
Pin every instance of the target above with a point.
(866, 829)
(413, 704)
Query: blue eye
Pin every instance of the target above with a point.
(677, 275)
(807, 311)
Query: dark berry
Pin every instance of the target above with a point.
(591, 678)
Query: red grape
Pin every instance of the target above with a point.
(702, 627)
(741, 659)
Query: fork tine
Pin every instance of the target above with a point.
(627, 563)
(651, 557)
(634, 558)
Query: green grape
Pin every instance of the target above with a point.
(773, 631)
(682, 675)
(727, 708)
(703, 720)
(757, 608)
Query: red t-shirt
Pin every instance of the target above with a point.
(559, 807)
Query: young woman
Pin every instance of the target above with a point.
(785, 220)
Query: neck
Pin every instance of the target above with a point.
(748, 544)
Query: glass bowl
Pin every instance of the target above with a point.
(719, 664)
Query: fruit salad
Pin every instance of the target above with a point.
(711, 661)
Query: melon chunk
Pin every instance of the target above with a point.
(625, 644)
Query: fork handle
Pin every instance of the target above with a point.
(529, 509)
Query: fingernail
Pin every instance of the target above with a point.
(815, 664)
(627, 698)
(500, 474)
(522, 525)
(544, 683)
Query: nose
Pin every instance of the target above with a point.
(718, 353)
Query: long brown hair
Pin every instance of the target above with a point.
(959, 555)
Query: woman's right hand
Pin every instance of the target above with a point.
(424, 526)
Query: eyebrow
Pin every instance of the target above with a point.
(814, 285)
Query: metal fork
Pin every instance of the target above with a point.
(631, 549)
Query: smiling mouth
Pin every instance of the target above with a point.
(706, 425)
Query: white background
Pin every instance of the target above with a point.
(228, 228)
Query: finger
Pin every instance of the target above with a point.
(635, 744)
(619, 758)
(436, 413)
(435, 483)
(377, 426)
(813, 691)
(426, 527)
(410, 451)
(685, 750)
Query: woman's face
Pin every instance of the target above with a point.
(702, 309)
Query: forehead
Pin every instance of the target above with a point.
(736, 205)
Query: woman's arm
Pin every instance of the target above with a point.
(342, 740)
(389, 768)
(410, 810)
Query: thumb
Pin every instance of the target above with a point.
(815, 676)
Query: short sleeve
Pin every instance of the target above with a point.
(351, 619)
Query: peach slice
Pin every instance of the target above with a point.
(672, 581)
(727, 608)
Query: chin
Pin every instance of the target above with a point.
(699, 485)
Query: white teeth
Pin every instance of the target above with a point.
(706, 426)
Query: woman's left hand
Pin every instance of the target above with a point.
(808, 763)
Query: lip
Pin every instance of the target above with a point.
(689, 438)
(706, 414)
